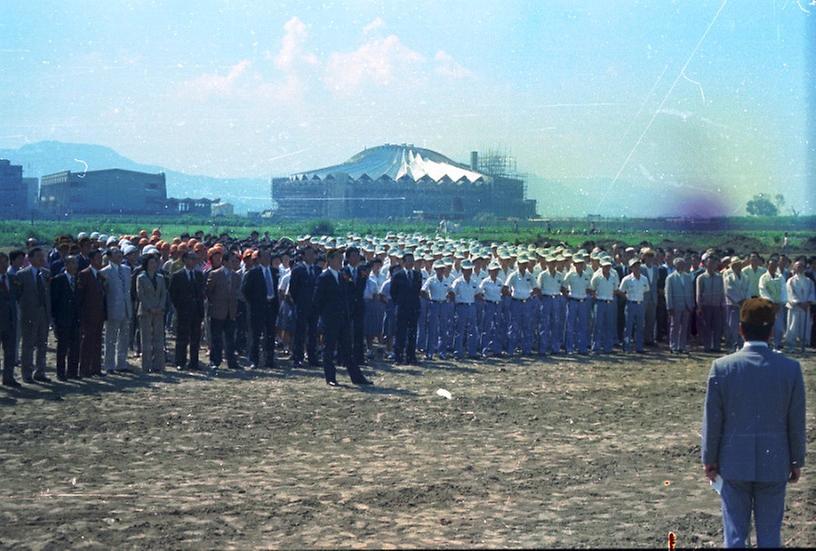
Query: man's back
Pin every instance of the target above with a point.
(754, 423)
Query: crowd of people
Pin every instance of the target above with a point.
(344, 300)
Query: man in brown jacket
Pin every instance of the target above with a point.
(223, 288)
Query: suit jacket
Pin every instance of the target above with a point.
(223, 287)
(253, 287)
(64, 302)
(91, 296)
(302, 284)
(8, 304)
(679, 291)
(31, 304)
(150, 297)
(356, 290)
(754, 418)
(188, 296)
(405, 292)
(117, 291)
(331, 300)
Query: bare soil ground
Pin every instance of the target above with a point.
(569, 452)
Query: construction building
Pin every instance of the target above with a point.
(402, 181)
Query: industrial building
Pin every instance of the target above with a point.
(12, 191)
(401, 181)
(110, 191)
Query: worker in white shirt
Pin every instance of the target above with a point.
(576, 283)
(550, 282)
(772, 287)
(435, 291)
(463, 293)
(604, 286)
(801, 295)
(519, 286)
(493, 323)
(634, 286)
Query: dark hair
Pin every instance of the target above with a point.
(15, 254)
(146, 260)
(94, 253)
(33, 251)
(756, 332)
(352, 250)
(332, 254)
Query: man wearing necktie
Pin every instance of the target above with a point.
(260, 288)
(91, 304)
(7, 322)
(187, 289)
(117, 279)
(34, 313)
(301, 292)
(65, 315)
(406, 285)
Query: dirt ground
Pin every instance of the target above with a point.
(568, 453)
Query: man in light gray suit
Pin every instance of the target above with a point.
(35, 315)
(119, 310)
(754, 430)
(679, 305)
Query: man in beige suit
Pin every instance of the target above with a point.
(35, 312)
(151, 289)
(223, 288)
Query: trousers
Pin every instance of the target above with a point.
(678, 329)
(711, 327)
(117, 337)
(732, 336)
(152, 341)
(766, 500)
(465, 330)
(635, 324)
(549, 339)
(576, 334)
(605, 330)
(519, 333)
(492, 327)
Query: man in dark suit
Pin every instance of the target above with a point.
(65, 315)
(406, 285)
(8, 318)
(754, 430)
(302, 284)
(353, 270)
(187, 290)
(331, 300)
(91, 305)
(260, 288)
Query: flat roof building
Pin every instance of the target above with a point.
(12, 191)
(109, 191)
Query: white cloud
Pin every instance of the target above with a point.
(448, 67)
(210, 84)
(292, 52)
(380, 61)
(376, 24)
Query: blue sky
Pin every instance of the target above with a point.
(573, 89)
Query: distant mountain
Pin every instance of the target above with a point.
(48, 157)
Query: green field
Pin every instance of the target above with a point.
(741, 234)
